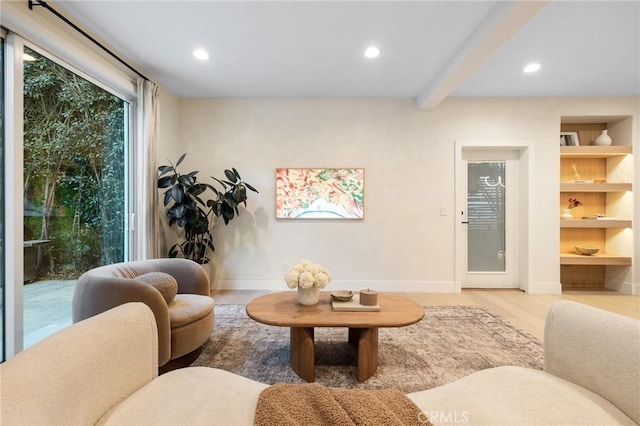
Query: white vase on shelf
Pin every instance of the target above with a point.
(604, 139)
(566, 214)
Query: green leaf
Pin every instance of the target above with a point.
(186, 180)
(164, 169)
(165, 182)
(229, 200)
(235, 172)
(231, 176)
(227, 213)
(180, 159)
(239, 193)
(251, 188)
(167, 198)
(178, 211)
(191, 216)
(177, 194)
(198, 189)
(187, 248)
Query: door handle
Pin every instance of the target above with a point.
(465, 222)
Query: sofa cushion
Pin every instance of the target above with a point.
(194, 396)
(187, 308)
(517, 396)
(164, 283)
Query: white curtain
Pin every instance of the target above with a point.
(145, 194)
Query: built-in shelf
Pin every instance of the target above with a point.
(597, 259)
(610, 169)
(594, 151)
(595, 223)
(595, 187)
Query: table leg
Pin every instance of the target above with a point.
(301, 352)
(367, 353)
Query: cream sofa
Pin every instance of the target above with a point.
(103, 370)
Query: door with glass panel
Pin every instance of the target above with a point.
(488, 218)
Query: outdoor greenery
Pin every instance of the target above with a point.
(191, 214)
(73, 168)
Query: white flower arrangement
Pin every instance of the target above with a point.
(306, 275)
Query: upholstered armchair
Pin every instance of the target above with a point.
(182, 308)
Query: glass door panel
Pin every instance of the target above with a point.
(486, 216)
(74, 188)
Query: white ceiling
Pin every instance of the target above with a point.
(430, 49)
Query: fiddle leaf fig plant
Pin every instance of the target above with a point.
(187, 209)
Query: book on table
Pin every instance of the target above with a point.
(353, 305)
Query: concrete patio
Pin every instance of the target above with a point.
(47, 308)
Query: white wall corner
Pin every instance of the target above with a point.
(545, 288)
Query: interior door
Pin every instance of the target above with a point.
(488, 218)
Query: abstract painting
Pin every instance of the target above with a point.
(319, 193)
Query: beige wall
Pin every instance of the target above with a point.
(408, 155)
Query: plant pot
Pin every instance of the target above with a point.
(308, 296)
(566, 214)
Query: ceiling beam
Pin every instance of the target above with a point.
(504, 20)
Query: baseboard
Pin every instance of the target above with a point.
(632, 289)
(354, 285)
(545, 288)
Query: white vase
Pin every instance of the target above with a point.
(308, 296)
(566, 214)
(604, 139)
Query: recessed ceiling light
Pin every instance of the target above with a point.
(532, 67)
(372, 52)
(201, 54)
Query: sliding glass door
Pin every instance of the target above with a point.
(2, 204)
(75, 145)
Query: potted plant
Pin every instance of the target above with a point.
(188, 210)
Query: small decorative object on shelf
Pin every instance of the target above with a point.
(604, 139)
(576, 175)
(566, 214)
(573, 203)
(586, 250)
(308, 278)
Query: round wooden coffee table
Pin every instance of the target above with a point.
(283, 310)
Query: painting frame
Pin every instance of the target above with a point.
(333, 193)
(569, 139)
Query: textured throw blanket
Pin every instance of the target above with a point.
(314, 404)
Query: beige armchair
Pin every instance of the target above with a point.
(184, 324)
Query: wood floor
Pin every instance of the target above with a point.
(527, 311)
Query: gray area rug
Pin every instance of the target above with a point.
(449, 343)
